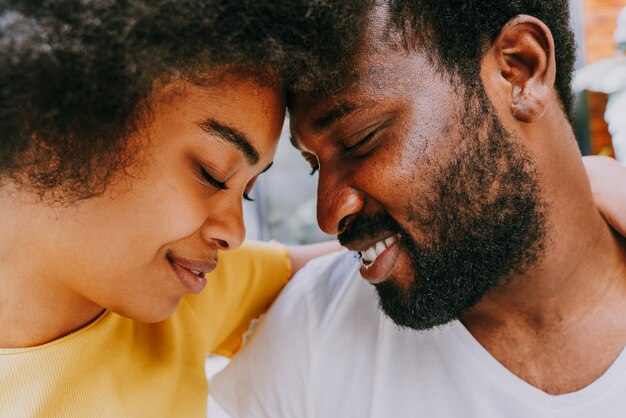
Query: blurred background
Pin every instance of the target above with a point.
(595, 25)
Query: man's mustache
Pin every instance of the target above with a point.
(366, 227)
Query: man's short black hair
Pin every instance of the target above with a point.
(75, 74)
(460, 31)
(455, 33)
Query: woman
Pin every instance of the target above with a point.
(131, 134)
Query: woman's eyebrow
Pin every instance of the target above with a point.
(231, 136)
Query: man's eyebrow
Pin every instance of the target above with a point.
(231, 136)
(324, 122)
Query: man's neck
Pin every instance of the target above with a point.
(571, 280)
(570, 308)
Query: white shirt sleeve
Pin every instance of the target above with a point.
(270, 376)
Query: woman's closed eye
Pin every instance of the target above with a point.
(220, 185)
(209, 179)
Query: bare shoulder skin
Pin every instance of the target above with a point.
(608, 185)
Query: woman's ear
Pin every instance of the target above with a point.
(524, 52)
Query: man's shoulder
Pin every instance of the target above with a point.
(324, 347)
(270, 376)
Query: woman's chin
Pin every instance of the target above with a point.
(151, 314)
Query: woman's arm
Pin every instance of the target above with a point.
(608, 184)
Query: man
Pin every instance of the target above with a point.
(447, 160)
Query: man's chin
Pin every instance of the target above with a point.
(400, 300)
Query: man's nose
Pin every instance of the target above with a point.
(337, 202)
(224, 227)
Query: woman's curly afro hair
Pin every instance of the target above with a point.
(75, 74)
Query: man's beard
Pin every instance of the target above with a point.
(483, 225)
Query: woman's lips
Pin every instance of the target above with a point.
(380, 269)
(186, 272)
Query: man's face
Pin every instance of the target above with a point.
(423, 180)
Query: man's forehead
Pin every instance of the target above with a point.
(380, 50)
(317, 116)
(377, 78)
(324, 116)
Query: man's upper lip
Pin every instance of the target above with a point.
(366, 243)
(204, 266)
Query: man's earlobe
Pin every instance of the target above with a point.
(525, 55)
(529, 106)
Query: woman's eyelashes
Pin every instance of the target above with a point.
(207, 178)
(219, 185)
(210, 180)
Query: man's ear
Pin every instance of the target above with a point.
(525, 55)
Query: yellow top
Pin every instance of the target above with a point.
(117, 367)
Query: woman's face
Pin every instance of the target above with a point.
(134, 250)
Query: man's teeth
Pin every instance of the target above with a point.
(377, 249)
(197, 273)
(370, 255)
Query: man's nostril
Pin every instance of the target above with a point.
(343, 223)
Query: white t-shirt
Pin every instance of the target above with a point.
(325, 350)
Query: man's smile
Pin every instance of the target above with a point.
(379, 268)
(371, 254)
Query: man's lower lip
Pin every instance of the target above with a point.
(194, 283)
(380, 269)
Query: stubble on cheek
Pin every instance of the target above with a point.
(475, 222)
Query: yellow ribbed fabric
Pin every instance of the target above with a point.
(117, 367)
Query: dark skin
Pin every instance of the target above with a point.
(550, 325)
(568, 337)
